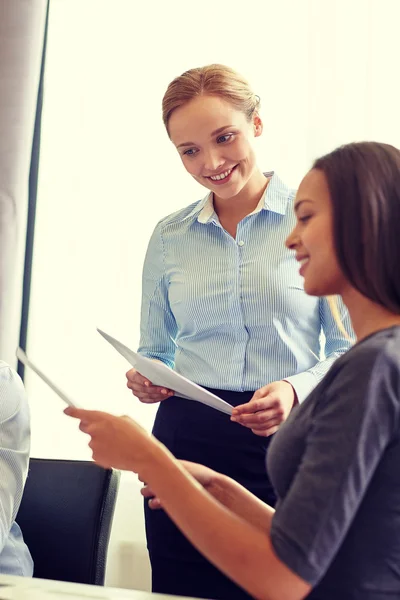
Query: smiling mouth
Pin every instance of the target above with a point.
(304, 261)
(222, 176)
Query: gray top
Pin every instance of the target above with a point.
(335, 466)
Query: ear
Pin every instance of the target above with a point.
(257, 125)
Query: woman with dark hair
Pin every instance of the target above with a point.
(334, 464)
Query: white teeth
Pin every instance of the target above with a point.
(304, 261)
(221, 176)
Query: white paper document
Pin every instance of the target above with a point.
(161, 375)
(28, 363)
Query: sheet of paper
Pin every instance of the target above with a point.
(160, 374)
(28, 363)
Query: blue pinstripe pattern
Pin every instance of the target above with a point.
(232, 313)
(15, 558)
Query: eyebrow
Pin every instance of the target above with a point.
(297, 205)
(216, 132)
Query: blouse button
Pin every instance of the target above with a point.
(241, 243)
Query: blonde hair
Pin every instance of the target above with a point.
(332, 301)
(212, 80)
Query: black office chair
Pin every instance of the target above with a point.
(65, 516)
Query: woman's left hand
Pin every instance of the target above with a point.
(268, 408)
(117, 442)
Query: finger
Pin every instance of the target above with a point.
(270, 423)
(98, 453)
(82, 426)
(153, 390)
(88, 427)
(262, 425)
(101, 460)
(83, 414)
(155, 503)
(266, 432)
(242, 408)
(259, 420)
(151, 399)
(262, 392)
(138, 390)
(147, 492)
(140, 385)
(131, 374)
(71, 411)
(259, 417)
(255, 405)
(133, 377)
(148, 401)
(157, 391)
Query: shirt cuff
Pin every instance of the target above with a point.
(303, 384)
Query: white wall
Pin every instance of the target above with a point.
(327, 73)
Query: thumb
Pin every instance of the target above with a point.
(262, 392)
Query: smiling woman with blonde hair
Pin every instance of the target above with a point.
(224, 305)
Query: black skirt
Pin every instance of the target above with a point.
(195, 432)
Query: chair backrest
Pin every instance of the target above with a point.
(65, 516)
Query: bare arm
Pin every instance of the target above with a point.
(238, 543)
(228, 492)
(222, 525)
(242, 503)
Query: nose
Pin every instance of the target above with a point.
(212, 160)
(293, 240)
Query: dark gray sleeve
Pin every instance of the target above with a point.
(351, 426)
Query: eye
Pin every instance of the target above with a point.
(190, 152)
(222, 139)
(304, 219)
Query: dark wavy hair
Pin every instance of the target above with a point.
(364, 184)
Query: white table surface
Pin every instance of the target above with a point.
(25, 588)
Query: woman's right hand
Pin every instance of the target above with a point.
(143, 389)
(203, 475)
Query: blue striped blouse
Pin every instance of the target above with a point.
(15, 438)
(231, 313)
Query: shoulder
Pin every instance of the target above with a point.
(281, 188)
(170, 230)
(391, 346)
(381, 348)
(279, 197)
(12, 392)
(367, 375)
(183, 215)
(386, 367)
